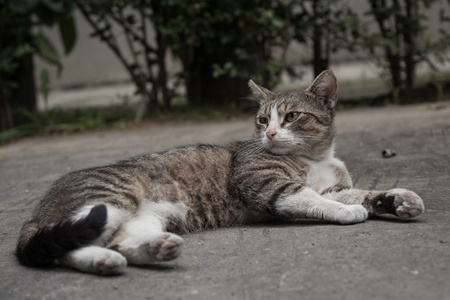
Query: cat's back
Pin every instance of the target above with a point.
(198, 169)
(195, 180)
(202, 160)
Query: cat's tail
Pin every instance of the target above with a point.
(40, 247)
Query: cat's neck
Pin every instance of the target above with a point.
(324, 155)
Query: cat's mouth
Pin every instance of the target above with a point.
(278, 148)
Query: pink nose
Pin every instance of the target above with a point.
(271, 133)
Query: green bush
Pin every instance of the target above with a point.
(18, 42)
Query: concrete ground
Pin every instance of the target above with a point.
(382, 258)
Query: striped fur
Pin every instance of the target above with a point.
(130, 212)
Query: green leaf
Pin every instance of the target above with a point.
(22, 6)
(10, 134)
(47, 51)
(9, 57)
(277, 23)
(23, 49)
(68, 32)
(56, 6)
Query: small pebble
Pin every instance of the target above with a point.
(388, 153)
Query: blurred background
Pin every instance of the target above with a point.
(74, 65)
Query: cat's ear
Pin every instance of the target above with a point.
(261, 94)
(325, 88)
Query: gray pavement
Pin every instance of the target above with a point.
(380, 259)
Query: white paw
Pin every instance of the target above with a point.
(407, 204)
(141, 250)
(109, 263)
(351, 214)
(94, 259)
(166, 246)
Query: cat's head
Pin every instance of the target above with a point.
(298, 122)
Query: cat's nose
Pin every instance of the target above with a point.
(271, 133)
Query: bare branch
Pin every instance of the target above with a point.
(111, 42)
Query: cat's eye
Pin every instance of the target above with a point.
(291, 117)
(263, 120)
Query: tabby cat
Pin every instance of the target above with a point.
(101, 219)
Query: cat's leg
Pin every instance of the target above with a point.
(142, 240)
(94, 259)
(115, 218)
(308, 203)
(400, 202)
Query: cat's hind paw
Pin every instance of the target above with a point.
(110, 263)
(407, 204)
(166, 247)
(94, 259)
(142, 250)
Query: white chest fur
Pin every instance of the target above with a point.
(322, 175)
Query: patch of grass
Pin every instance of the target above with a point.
(57, 121)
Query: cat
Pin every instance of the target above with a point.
(101, 219)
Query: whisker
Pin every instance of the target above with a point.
(251, 147)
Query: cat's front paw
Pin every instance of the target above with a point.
(407, 204)
(351, 214)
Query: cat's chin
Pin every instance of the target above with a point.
(279, 149)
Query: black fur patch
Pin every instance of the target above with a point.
(380, 204)
(53, 242)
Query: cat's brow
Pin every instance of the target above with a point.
(315, 117)
(266, 110)
(283, 105)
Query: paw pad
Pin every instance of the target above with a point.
(112, 263)
(166, 247)
(407, 204)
